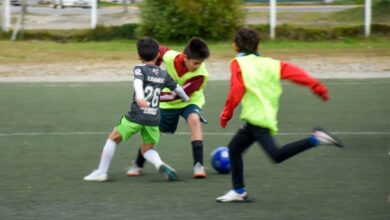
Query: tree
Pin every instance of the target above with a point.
(183, 19)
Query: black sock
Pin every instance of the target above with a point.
(140, 161)
(197, 151)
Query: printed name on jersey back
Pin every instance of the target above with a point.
(155, 79)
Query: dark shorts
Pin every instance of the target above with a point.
(170, 117)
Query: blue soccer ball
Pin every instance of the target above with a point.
(220, 160)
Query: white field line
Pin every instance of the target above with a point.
(359, 82)
(183, 133)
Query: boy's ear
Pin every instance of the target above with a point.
(234, 45)
(158, 56)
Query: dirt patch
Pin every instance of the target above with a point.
(318, 66)
(328, 64)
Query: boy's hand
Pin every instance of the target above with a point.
(223, 123)
(223, 120)
(142, 103)
(321, 91)
(167, 96)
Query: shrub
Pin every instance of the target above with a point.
(103, 33)
(182, 19)
(124, 32)
(315, 34)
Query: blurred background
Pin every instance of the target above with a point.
(305, 14)
(330, 38)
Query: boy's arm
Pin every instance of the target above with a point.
(176, 89)
(139, 93)
(193, 84)
(138, 85)
(236, 92)
(177, 92)
(181, 93)
(298, 75)
(190, 86)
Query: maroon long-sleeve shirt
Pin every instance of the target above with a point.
(191, 85)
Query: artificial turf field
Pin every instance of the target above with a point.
(51, 135)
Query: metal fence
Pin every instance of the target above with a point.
(39, 14)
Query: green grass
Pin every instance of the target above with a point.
(341, 44)
(380, 14)
(344, 18)
(109, 4)
(42, 51)
(45, 154)
(116, 5)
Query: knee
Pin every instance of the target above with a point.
(277, 161)
(115, 136)
(193, 120)
(276, 158)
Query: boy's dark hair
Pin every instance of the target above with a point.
(197, 49)
(247, 40)
(147, 48)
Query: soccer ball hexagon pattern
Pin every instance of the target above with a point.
(220, 160)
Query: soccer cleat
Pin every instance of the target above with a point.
(233, 196)
(134, 170)
(96, 175)
(199, 171)
(168, 172)
(324, 137)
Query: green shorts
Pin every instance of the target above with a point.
(149, 134)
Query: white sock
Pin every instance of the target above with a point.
(153, 157)
(107, 155)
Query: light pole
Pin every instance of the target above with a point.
(19, 26)
(272, 20)
(6, 15)
(93, 14)
(367, 18)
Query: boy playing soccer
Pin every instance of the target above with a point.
(144, 114)
(255, 82)
(189, 71)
